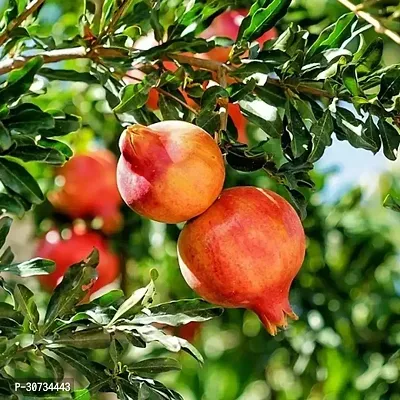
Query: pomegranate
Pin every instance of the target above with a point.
(77, 247)
(244, 251)
(89, 189)
(170, 171)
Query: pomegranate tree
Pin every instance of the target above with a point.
(244, 251)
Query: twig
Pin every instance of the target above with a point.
(373, 21)
(165, 93)
(117, 15)
(209, 65)
(30, 9)
(60, 55)
(101, 51)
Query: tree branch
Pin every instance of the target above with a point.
(60, 55)
(373, 21)
(21, 18)
(117, 15)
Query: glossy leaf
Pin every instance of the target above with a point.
(36, 266)
(321, 133)
(5, 225)
(20, 80)
(76, 282)
(178, 312)
(263, 16)
(26, 305)
(17, 178)
(390, 139)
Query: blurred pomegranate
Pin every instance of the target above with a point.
(65, 252)
(189, 331)
(88, 189)
(245, 251)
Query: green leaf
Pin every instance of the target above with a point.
(178, 312)
(36, 266)
(154, 366)
(19, 81)
(180, 45)
(73, 288)
(29, 120)
(353, 130)
(390, 139)
(299, 135)
(135, 96)
(5, 138)
(93, 371)
(135, 302)
(172, 343)
(5, 225)
(7, 257)
(155, 21)
(81, 394)
(169, 108)
(321, 133)
(332, 36)
(370, 58)
(64, 124)
(350, 80)
(242, 159)
(54, 367)
(26, 305)
(372, 132)
(208, 119)
(265, 117)
(263, 16)
(67, 75)
(299, 202)
(112, 298)
(15, 177)
(7, 311)
(38, 154)
(61, 147)
(390, 85)
(85, 339)
(392, 201)
(11, 205)
(271, 94)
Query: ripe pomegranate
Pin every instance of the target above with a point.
(244, 251)
(170, 171)
(227, 25)
(89, 189)
(77, 247)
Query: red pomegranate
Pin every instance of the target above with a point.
(89, 189)
(244, 251)
(170, 171)
(77, 247)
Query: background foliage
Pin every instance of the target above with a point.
(345, 345)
